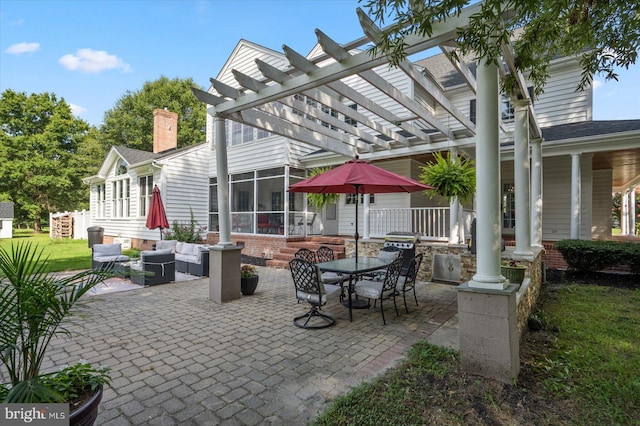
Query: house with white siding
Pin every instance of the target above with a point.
(271, 147)
(120, 192)
(274, 145)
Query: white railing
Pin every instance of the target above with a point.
(431, 222)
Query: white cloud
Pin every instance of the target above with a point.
(77, 110)
(93, 61)
(17, 23)
(596, 84)
(24, 47)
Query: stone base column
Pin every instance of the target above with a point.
(224, 273)
(488, 327)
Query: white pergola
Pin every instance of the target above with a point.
(269, 102)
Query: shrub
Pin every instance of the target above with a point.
(191, 232)
(589, 256)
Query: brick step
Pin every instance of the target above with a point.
(282, 257)
(293, 247)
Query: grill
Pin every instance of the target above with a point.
(407, 242)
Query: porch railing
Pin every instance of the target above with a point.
(431, 222)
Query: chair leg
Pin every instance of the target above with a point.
(394, 305)
(414, 295)
(404, 297)
(384, 322)
(313, 312)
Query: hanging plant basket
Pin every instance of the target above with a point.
(450, 177)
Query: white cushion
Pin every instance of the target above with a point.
(107, 250)
(167, 244)
(388, 255)
(179, 247)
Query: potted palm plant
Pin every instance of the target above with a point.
(34, 304)
(248, 279)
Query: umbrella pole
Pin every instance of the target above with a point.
(356, 236)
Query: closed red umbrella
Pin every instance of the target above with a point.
(358, 177)
(157, 218)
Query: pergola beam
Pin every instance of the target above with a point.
(302, 63)
(304, 122)
(442, 31)
(461, 67)
(322, 96)
(278, 126)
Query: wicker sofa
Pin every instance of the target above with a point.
(191, 258)
(155, 267)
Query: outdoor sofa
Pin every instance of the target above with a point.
(191, 258)
(107, 256)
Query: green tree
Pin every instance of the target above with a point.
(130, 122)
(606, 34)
(39, 138)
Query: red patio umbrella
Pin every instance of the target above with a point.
(156, 217)
(358, 177)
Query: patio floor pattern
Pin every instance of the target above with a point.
(178, 358)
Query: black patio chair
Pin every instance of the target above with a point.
(408, 282)
(381, 290)
(309, 288)
(325, 254)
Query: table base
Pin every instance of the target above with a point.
(356, 304)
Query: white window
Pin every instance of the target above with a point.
(241, 133)
(120, 198)
(101, 200)
(145, 189)
(351, 199)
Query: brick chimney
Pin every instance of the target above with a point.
(165, 130)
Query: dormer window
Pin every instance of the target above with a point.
(122, 168)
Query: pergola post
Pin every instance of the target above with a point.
(487, 304)
(224, 270)
(521, 178)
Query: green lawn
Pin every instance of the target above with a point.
(63, 254)
(582, 369)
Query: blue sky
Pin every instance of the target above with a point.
(92, 52)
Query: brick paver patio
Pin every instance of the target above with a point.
(178, 358)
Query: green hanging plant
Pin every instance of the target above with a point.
(319, 200)
(450, 178)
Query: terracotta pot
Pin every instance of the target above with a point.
(248, 285)
(87, 413)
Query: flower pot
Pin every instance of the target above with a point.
(514, 274)
(87, 413)
(248, 285)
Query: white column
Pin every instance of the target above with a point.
(536, 192)
(365, 213)
(488, 226)
(454, 224)
(632, 211)
(521, 178)
(624, 215)
(222, 172)
(575, 196)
